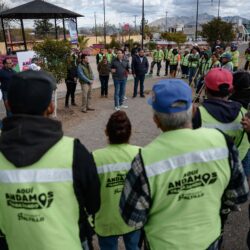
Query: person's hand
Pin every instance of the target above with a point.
(246, 123)
(134, 75)
(113, 70)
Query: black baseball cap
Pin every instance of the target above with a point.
(30, 92)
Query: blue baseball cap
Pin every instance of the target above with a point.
(171, 96)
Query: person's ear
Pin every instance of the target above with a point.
(50, 109)
(157, 121)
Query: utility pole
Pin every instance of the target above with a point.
(218, 9)
(142, 24)
(135, 21)
(196, 26)
(166, 28)
(104, 25)
(95, 29)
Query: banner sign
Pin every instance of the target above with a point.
(73, 32)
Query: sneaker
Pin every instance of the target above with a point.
(117, 108)
(125, 98)
(143, 96)
(124, 106)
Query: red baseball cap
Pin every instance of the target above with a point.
(217, 76)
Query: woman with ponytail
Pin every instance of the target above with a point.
(113, 162)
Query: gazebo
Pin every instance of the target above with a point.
(37, 9)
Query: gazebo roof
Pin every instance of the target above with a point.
(38, 9)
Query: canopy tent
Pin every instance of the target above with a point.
(37, 9)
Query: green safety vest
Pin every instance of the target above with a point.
(184, 60)
(113, 163)
(233, 129)
(205, 65)
(247, 55)
(158, 55)
(167, 54)
(194, 64)
(109, 57)
(173, 59)
(100, 56)
(39, 209)
(187, 181)
(235, 57)
(216, 64)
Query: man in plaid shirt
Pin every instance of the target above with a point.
(180, 183)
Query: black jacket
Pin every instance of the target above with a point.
(5, 77)
(25, 139)
(71, 73)
(139, 67)
(121, 67)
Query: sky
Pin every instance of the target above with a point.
(123, 11)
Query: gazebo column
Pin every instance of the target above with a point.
(24, 39)
(4, 35)
(64, 33)
(76, 27)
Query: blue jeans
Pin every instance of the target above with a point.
(131, 241)
(120, 86)
(138, 78)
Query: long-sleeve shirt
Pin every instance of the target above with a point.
(136, 201)
(83, 77)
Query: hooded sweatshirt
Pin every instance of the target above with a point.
(26, 138)
(223, 111)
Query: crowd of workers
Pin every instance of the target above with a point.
(174, 193)
(192, 63)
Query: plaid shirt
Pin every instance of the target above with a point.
(136, 201)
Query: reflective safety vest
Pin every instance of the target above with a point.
(195, 63)
(247, 55)
(109, 57)
(184, 60)
(173, 59)
(235, 57)
(100, 56)
(158, 55)
(167, 54)
(113, 163)
(216, 64)
(187, 181)
(39, 209)
(205, 65)
(229, 66)
(233, 129)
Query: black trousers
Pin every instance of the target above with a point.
(166, 67)
(158, 67)
(71, 89)
(246, 65)
(104, 85)
(139, 78)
